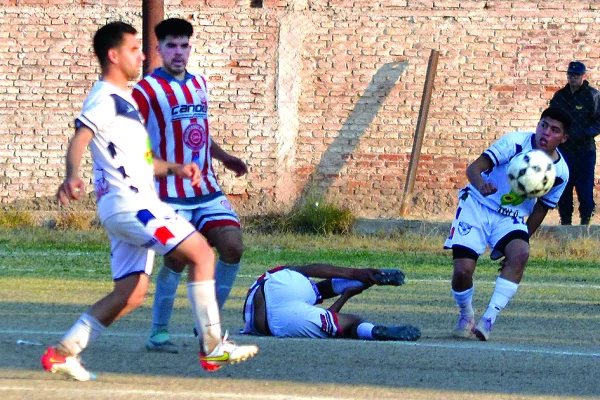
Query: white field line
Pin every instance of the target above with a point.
(110, 393)
(492, 347)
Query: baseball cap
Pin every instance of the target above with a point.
(576, 67)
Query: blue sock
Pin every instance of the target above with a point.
(164, 298)
(225, 275)
(341, 284)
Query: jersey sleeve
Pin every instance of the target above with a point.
(501, 151)
(97, 114)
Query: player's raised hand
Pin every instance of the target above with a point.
(189, 171)
(236, 165)
(70, 189)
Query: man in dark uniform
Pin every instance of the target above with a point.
(582, 103)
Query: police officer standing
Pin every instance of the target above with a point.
(582, 103)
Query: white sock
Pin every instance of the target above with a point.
(504, 290)
(341, 284)
(365, 331)
(202, 297)
(85, 331)
(225, 275)
(167, 281)
(464, 300)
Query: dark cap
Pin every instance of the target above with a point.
(576, 67)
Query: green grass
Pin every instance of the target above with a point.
(40, 252)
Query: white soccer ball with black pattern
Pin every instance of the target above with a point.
(531, 174)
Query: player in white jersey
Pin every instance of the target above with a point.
(175, 106)
(489, 213)
(283, 303)
(138, 224)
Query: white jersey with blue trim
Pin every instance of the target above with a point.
(122, 159)
(504, 201)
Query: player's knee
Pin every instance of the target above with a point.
(232, 254)
(518, 256)
(461, 275)
(463, 272)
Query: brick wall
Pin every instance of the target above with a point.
(316, 95)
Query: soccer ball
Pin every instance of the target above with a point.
(531, 174)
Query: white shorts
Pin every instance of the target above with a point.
(475, 226)
(290, 300)
(210, 214)
(136, 236)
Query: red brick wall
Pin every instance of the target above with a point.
(499, 64)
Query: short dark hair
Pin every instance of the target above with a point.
(110, 36)
(559, 115)
(174, 27)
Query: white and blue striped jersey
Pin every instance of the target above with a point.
(500, 153)
(122, 158)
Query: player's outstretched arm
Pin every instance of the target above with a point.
(536, 217)
(73, 186)
(327, 271)
(347, 295)
(474, 171)
(230, 162)
(163, 169)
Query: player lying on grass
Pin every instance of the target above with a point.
(489, 213)
(282, 303)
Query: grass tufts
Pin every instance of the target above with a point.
(73, 220)
(320, 216)
(310, 217)
(16, 219)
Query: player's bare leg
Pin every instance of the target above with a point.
(216, 351)
(462, 291)
(128, 294)
(517, 255)
(228, 242)
(230, 247)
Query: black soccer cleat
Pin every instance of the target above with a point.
(405, 333)
(391, 277)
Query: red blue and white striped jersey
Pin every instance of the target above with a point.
(176, 114)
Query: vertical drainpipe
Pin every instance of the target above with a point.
(153, 11)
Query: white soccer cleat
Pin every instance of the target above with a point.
(226, 353)
(464, 327)
(70, 366)
(483, 329)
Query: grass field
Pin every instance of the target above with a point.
(546, 343)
